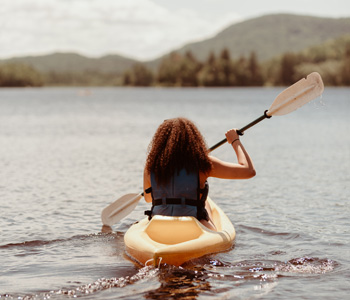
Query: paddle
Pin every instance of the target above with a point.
(287, 101)
(120, 208)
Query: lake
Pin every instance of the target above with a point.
(66, 153)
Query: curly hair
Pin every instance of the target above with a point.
(177, 144)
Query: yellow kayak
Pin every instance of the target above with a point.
(176, 240)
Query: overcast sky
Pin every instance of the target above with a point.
(140, 29)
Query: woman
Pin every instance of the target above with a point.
(177, 168)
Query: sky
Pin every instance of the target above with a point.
(139, 29)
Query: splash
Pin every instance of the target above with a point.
(307, 265)
(255, 278)
(104, 283)
(271, 270)
(92, 288)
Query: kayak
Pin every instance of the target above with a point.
(176, 240)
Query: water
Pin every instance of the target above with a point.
(66, 153)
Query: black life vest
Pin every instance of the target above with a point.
(181, 196)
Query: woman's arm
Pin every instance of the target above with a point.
(146, 185)
(244, 169)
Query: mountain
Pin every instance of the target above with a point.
(269, 36)
(75, 63)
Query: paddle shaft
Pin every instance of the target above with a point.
(241, 131)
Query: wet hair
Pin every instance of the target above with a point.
(177, 144)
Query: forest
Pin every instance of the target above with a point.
(331, 60)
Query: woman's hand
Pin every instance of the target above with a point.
(244, 169)
(232, 135)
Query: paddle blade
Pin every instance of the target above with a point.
(297, 95)
(119, 209)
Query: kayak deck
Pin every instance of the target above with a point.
(175, 240)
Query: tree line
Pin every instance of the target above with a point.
(186, 71)
(331, 60)
(222, 71)
(18, 75)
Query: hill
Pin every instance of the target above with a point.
(269, 36)
(75, 63)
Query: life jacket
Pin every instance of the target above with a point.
(179, 197)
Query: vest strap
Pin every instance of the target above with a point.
(182, 201)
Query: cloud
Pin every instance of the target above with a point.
(140, 29)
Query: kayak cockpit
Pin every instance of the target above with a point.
(173, 230)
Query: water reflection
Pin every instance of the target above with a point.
(180, 283)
